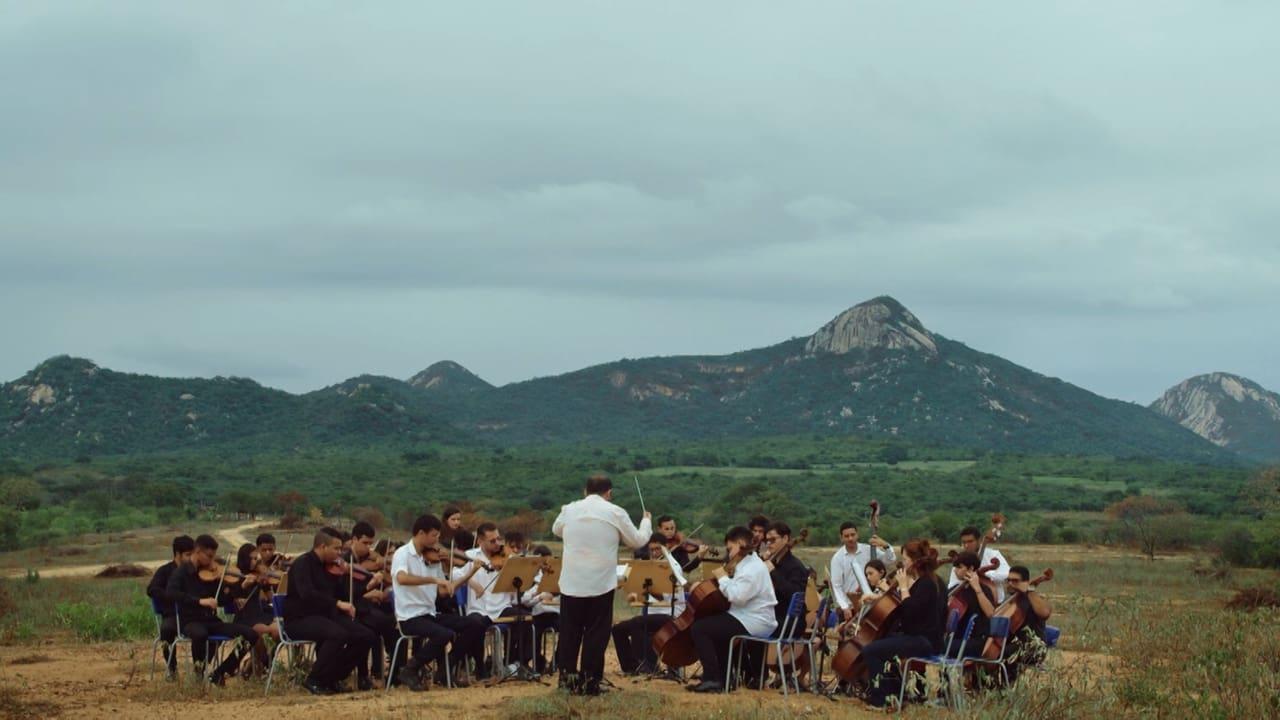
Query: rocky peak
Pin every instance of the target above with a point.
(1222, 408)
(881, 322)
(447, 375)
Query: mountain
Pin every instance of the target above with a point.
(67, 407)
(874, 370)
(1228, 410)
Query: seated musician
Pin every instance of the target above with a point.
(253, 606)
(417, 584)
(979, 601)
(266, 544)
(970, 541)
(545, 608)
(789, 576)
(877, 579)
(370, 591)
(1027, 646)
(847, 578)
(484, 606)
(632, 638)
(198, 598)
(751, 603)
(315, 609)
(918, 621)
(759, 525)
(157, 590)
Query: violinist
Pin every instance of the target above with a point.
(631, 637)
(848, 563)
(183, 546)
(369, 593)
(253, 601)
(1027, 646)
(484, 606)
(418, 577)
(759, 525)
(976, 600)
(545, 608)
(592, 528)
(199, 588)
(266, 544)
(316, 610)
(688, 554)
(751, 609)
(918, 620)
(971, 540)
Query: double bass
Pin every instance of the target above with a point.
(673, 643)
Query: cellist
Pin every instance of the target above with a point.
(918, 629)
(977, 600)
(1023, 649)
(971, 540)
(751, 602)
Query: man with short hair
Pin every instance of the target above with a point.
(369, 593)
(978, 600)
(313, 611)
(417, 584)
(848, 567)
(632, 638)
(198, 600)
(970, 542)
(157, 590)
(758, 525)
(484, 606)
(591, 528)
(266, 544)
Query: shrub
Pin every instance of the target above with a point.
(1237, 546)
(97, 623)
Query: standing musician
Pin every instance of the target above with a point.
(918, 629)
(1027, 646)
(632, 637)
(592, 528)
(484, 606)
(545, 609)
(848, 578)
(978, 600)
(157, 590)
(199, 589)
(369, 593)
(418, 582)
(751, 603)
(314, 611)
(758, 525)
(970, 541)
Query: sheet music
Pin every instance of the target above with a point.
(675, 567)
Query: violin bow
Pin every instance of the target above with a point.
(225, 565)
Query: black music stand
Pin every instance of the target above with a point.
(516, 575)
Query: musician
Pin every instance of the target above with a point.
(484, 606)
(877, 578)
(847, 567)
(315, 611)
(266, 544)
(632, 638)
(545, 608)
(751, 610)
(918, 627)
(515, 542)
(417, 584)
(667, 528)
(789, 576)
(970, 541)
(253, 603)
(759, 525)
(157, 590)
(592, 528)
(198, 600)
(1026, 647)
(369, 593)
(979, 601)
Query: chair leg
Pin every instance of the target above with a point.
(395, 655)
(271, 672)
(729, 672)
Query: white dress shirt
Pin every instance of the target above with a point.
(481, 599)
(848, 571)
(592, 528)
(533, 602)
(751, 597)
(997, 576)
(660, 603)
(413, 600)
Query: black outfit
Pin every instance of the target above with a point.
(981, 623)
(382, 623)
(918, 632)
(711, 639)
(311, 613)
(1026, 647)
(439, 631)
(584, 625)
(156, 590)
(789, 576)
(633, 641)
(541, 625)
(199, 622)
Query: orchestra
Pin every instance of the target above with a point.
(356, 596)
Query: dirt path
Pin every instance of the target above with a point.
(234, 537)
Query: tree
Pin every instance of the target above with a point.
(1146, 519)
(893, 454)
(20, 493)
(373, 516)
(1262, 493)
(942, 525)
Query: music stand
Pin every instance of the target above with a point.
(643, 580)
(516, 575)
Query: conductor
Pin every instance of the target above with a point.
(591, 528)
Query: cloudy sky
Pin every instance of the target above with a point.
(301, 193)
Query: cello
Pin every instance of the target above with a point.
(955, 599)
(1017, 617)
(673, 643)
(872, 625)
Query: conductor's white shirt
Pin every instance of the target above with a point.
(592, 528)
(751, 597)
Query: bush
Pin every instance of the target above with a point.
(1045, 533)
(1238, 547)
(98, 623)
(1070, 535)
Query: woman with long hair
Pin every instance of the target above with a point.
(918, 627)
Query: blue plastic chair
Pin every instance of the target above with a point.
(169, 648)
(213, 648)
(999, 631)
(795, 616)
(277, 609)
(946, 664)
(1051, 635)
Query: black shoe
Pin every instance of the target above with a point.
(364, 684)
(570, 683)
(340, 688)
(315, 688)
(707, 686)
(409, 678)
(592, 689)
(217, 679)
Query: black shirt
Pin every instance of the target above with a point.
(789, 576)
(982, 624)
(1035, 622)
(157, 589)
(312, 590)
(187, 589)
(921, 613)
